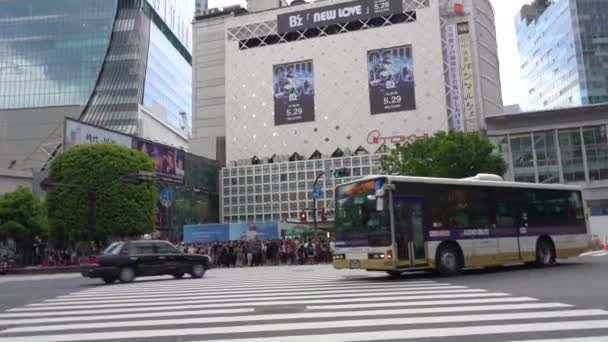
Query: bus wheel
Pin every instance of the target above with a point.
(545, 253)
(448, 261)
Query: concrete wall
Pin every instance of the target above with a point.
(11, 180)
(23, 130)
(155, 129)
(209, 94)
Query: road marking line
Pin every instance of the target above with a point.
(228, 295)
(422, 303)
(166, 314)
(574, 339)
(181, 290)
(120, 288)
(240, 301)
(309, 315)
(378, 335)
(389, 298)
(602, 254)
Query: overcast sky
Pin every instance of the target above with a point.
(507, 44)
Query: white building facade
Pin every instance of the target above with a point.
(327, 75)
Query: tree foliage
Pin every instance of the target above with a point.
(448, 155)
(22, 218)
(121, 209)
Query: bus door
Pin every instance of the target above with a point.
(409, 230)
(507, 229)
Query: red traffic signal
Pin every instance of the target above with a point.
(303, 217)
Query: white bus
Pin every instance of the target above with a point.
(396, 223)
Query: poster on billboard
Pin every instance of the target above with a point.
(77, 132)
(168, 161)
(469, 98)
(254, 231)
(206, 232)
(451, 38)
(391, 79)
(294, 94)
(336, 14)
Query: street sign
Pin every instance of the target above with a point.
(166, 197)
(316, 193)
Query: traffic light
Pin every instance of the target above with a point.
(303, 217)
(343, 172)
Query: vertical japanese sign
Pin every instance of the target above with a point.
(391, 79)
(294, 95)
(451, 37)
(468, 79)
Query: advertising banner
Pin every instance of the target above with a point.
(451, 37)
(206, 232)
(336, 14)
(294, 230)
(468, 79)
(254, 231)
(391, 79)
(294, 94)
(77, 132)
(169, 161)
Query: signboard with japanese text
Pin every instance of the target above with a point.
(77, 132)
(294, 93)
(451, 37)
(468, 78)
(336, 14)
(391, 79)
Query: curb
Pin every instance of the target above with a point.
(44, 270)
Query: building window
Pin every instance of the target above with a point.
(546, 157)
(523, 159)
(570, 145)
(596, 148)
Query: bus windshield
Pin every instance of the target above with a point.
(358, 223)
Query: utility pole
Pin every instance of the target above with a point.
(314, 204)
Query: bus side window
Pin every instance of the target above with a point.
(504, 214)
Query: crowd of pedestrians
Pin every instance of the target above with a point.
(262, 253)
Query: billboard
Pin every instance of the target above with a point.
(231, 232)
(206, 232)
(77, 132)
(336, 14)
(468, 78)
(451, 37)
(169, 162)
(391, 79)
(294, 94)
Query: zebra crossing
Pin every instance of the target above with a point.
(293, 304)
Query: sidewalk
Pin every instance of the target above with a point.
(44, 270)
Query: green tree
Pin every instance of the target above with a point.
(449, 155)
(22, 218)
(91, 173)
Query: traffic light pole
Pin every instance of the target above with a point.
(314, 205)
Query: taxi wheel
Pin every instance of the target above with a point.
(109, 280)
(178, 275)
(127, 275)
(198, 271)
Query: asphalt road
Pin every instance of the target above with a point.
(315, 303)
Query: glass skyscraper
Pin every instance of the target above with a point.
(100, 61)
(563, 48)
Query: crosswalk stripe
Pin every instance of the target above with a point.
(262, 299)
(225, 295)
(421, 303)
(574, 339)
(431, 333)
(374, 313)
(388, 298)
(120, 289)
(413, 333)
(250, 290)
(177, 313)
